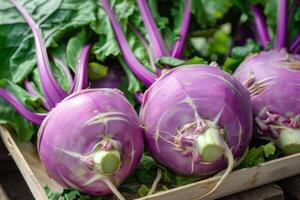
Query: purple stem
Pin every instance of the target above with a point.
(136, 67)
(295, 46)
(282, 24)
(292, 10)
(159, 48)
(146, 46)
(33, 92)
(81, 75)
(65, 70)
(30, 88)
(53, 92)
(36, 118)
(139, 96)
(184, 27)
(261, 26)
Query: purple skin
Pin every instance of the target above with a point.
(112, 80)
(90, 139)
(273, 80)
(174, 114)
(193, 116)
(108, 122)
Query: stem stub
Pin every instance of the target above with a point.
(210, 145)
(289, 141)
(107, 162)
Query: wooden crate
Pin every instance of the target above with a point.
(30, 166)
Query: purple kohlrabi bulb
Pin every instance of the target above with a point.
(91, 136)
(273, 80)
(191, 113)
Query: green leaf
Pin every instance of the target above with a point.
(146, 176)
(257, 155)
(23, 96)
(231, 64)
(195, 60)
(107, 44)
(243, 51)
(184, 180)
(174, 62)
(269, 149)
(254, 157)
(9, 116)
(57, 19)
(198, 10)
(97, 71)
(147, 170)
(24, 130)
(74, 47)
(164, 188)
(148, 162)
(239, 54)
(134, 84)
(69, 194)
(143, 191)
(208, 12)
(51, 195)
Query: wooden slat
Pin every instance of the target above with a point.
(3, 195)
(266, 192)
(237, 181)
(291, 187)
(29, 165)
(240, 180)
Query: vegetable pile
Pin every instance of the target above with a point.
(129, 98)
(272, 78)
(90, 139)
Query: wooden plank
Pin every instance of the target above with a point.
(291, 187)
(3, 195)
(266, 192)
(29, 165)
(237, 181)
(240, 180)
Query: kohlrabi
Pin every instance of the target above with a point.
(90, 139)
(195, 117)
(273, 80)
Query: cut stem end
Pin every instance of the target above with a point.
(107, 162)
(210, 145)
(289, 141)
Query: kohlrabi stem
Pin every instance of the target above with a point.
(295, 45)
(30, 88)
(159, 48)
(289, 141)
(210, 145)
(261, 26)
(146, 46)
(107, 162)
(178, 46)
(282, 24)
(81, 75)
(113, 188)
(155, 182)
(139, 96)
(230, 164)
(136, 67)
(65, 70)
(36, 118)
(292, 10)
(52, 90)
(32, 91)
